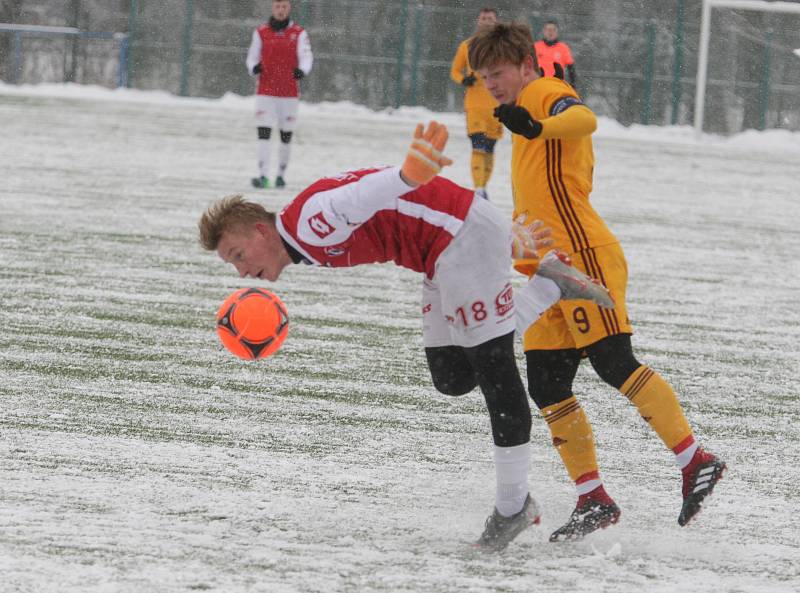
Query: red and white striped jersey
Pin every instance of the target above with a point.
(372, 216)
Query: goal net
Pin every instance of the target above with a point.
(36, 54)
(774, 100)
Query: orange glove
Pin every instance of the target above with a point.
(424, 159)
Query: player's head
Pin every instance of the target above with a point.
(244, 234)
(281, 9)
(504, 58)
(487, 17)
(550, 30)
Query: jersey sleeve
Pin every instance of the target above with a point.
(569, 123)
(548, 92)
(254, 52)
(459, 64)
(305, 59)
(330, 217)
(551, 102)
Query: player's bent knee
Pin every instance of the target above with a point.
(453, 385)
(451, 372)
(286, 137)
(613, 360)
(498, 377)
(482, 143)
(478, 141)
(488, 145)
(550, 375)
(264, 133)
(544, 395)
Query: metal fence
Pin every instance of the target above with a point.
(636, 60)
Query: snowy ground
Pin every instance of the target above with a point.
(135, 455)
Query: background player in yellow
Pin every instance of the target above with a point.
(551, 170)
(482, 127)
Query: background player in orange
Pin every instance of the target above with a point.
(551, 170)
(280, 55)
(551, 51)
(482, 128)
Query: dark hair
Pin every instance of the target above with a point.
(505, 42)
(488, 9)
(550, 22)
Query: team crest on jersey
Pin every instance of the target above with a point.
(334, 251)
(504, 302)
(321, 227)
(346, 176)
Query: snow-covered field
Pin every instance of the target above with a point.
(137, 456)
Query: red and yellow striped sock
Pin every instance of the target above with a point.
(658, 405)
(574, 441)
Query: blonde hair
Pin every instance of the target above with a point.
(229, 214)
(508, 43)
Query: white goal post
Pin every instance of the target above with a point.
(705, 34)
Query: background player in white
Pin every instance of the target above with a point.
(280, 55)
(463, 246)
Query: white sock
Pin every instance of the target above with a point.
(511, 468)
(535, 297)
(685, 457)
(263, 158)
(283, 157)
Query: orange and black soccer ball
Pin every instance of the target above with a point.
(252, 323)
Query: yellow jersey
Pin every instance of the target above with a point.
(475, 96)
(551, 177)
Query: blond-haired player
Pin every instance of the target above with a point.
(482, 128)
(551, 170)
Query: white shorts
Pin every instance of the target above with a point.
(277, 110)
(470, 301)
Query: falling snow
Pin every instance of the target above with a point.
(136, 455)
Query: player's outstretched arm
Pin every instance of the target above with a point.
(425, 159)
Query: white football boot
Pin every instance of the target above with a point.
(574, 284)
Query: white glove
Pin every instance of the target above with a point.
(527, 239)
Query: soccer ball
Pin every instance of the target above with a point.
(252, 323)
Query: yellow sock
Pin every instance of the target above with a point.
(488, 165)
(658, 405)
(478, 170)
(573, 438)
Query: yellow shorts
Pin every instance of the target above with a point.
(482, 121)
(577, 324)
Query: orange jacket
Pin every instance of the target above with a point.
(547, 55)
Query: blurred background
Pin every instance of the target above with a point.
(636, 60)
